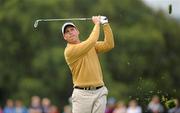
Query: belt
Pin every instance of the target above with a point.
(88, 88)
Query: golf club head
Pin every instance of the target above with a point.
(36, 23)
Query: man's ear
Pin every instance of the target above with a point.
(64, 37)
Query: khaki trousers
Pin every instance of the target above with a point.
(89, 101)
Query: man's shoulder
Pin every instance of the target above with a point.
(68, 49)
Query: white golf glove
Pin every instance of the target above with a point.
(103, 19)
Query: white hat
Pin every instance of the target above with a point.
(65, 25)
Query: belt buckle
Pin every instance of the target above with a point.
(92, 88)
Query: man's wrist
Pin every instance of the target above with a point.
(97, 23)
(105, 23)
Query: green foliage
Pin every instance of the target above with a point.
(170, 104)
(144, 62)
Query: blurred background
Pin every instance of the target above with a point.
(145, 61)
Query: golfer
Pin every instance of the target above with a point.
(89, 94)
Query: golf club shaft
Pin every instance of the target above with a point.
(66, 19)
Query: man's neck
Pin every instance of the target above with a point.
(77, 42)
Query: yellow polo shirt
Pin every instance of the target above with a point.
(82, 58)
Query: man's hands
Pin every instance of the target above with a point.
(99, 19)
(103, 20)
(96, 19)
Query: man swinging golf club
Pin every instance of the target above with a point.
(89, 94)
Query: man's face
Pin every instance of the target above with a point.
(71, 35)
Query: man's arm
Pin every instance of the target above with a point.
(108, 43)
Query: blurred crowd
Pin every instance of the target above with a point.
(154, 106)
(44, 105)
(37, 105)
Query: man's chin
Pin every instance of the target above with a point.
(73, 42)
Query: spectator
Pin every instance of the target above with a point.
(1, 111)
(155, 106)
(9, 108)
(133, 107)
(46, 103)
(54, 109)
(110, 105)
(176, 109)
(19, 108)
(120, 107)
(35, 105)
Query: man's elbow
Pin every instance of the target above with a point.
(111, 46)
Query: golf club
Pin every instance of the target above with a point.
(49, 20)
